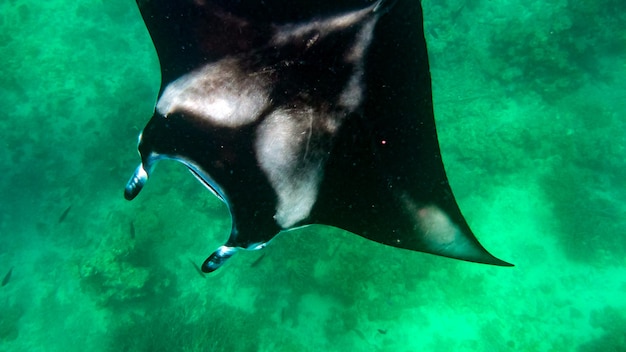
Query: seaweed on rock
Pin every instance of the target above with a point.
(122, 273)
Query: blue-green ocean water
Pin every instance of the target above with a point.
(530, 103)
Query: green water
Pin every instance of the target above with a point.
(531, 110)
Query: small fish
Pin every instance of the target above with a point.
(257, 261)
(132, 230)
(337, 247)
(7, 277)
(197, 268)
(360, 333)
(64, 215)
(433, 32)
(383, 331)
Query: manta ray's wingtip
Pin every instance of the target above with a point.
(466, 249)
(500, 262)
(503, 263)
(465, 246)
(492, 260)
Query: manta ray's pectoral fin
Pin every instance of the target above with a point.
(441, 231)
(397, 211)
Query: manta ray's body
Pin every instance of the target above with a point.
(296, 114)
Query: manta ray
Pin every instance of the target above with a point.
(304, 112)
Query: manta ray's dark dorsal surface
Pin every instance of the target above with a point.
(304, 112)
